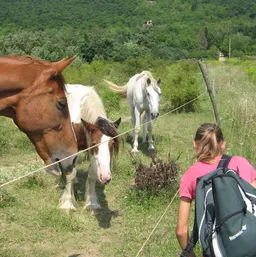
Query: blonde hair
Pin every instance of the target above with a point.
(208, 139)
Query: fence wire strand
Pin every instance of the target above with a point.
(87, 149)
(153, 230)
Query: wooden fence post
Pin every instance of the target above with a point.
(213, 89)
(214, 106)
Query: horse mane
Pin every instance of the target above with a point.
(92, 107)
(59, 78)
(92, 111)
(149, 75)
(108, 129)
(145, 73)
(24, 60)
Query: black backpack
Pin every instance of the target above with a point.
(225, 214)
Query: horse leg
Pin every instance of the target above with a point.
(145, 120)
(91, 196)
(67, 200)
(136, 131)
(133, 120)
(150, 140)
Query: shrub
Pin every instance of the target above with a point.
(158, 176)
(183, 86)
(111, 101)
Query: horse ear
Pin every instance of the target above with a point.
(117, 122)
(89, 126)
(158, 82)
(62, 64)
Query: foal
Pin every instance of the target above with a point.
(93, 129)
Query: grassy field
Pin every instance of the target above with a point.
(32, 225)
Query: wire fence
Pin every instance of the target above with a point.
(87, 149)
(119, 135)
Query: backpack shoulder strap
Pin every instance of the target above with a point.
(224, 161)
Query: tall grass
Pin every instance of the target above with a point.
(33, 226)
(237, 107)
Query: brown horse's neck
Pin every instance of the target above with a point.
(19, 72)
(17, 79)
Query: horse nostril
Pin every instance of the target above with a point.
(74, 161)
(154, 116)
(107, 181)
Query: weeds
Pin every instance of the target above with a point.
(157, 177)
(6, 199)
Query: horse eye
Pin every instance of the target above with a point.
(61, 104)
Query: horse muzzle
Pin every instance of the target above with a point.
(154, 115)
(104, 180)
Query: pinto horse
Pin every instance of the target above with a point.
(143, 94)
(93, 129)
(32, 93)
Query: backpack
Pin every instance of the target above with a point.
(225, 214)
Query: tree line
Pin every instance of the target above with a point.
(115, 30)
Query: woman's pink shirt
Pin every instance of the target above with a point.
(199, 169)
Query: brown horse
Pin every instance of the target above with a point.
(32, 93)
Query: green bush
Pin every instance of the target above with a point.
(111, 101)
(184, 85)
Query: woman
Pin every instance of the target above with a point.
(209, 146)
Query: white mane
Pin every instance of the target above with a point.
(85, 103)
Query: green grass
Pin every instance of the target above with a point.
(32, 224)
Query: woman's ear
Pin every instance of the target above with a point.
(223, 145)
(195, 144)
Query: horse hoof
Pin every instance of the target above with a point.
(135, 150)
(92, 207)
(67, 207)
(94, 212)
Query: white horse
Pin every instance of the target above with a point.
(92, 128)
(143, 94)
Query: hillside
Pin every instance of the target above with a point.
(40, 15)
(181, 29)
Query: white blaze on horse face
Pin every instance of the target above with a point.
(153, 101)
(102, 160)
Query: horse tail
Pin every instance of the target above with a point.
(121, 90)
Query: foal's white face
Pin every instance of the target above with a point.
(153, 98)
(101, 157)
(104, 146)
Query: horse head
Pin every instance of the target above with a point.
(104, 142)
(38, 106)
(153, 93)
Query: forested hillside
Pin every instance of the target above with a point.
(115, 29)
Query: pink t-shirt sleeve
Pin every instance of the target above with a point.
(189, 179)
(186, 187)
(199, 169)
